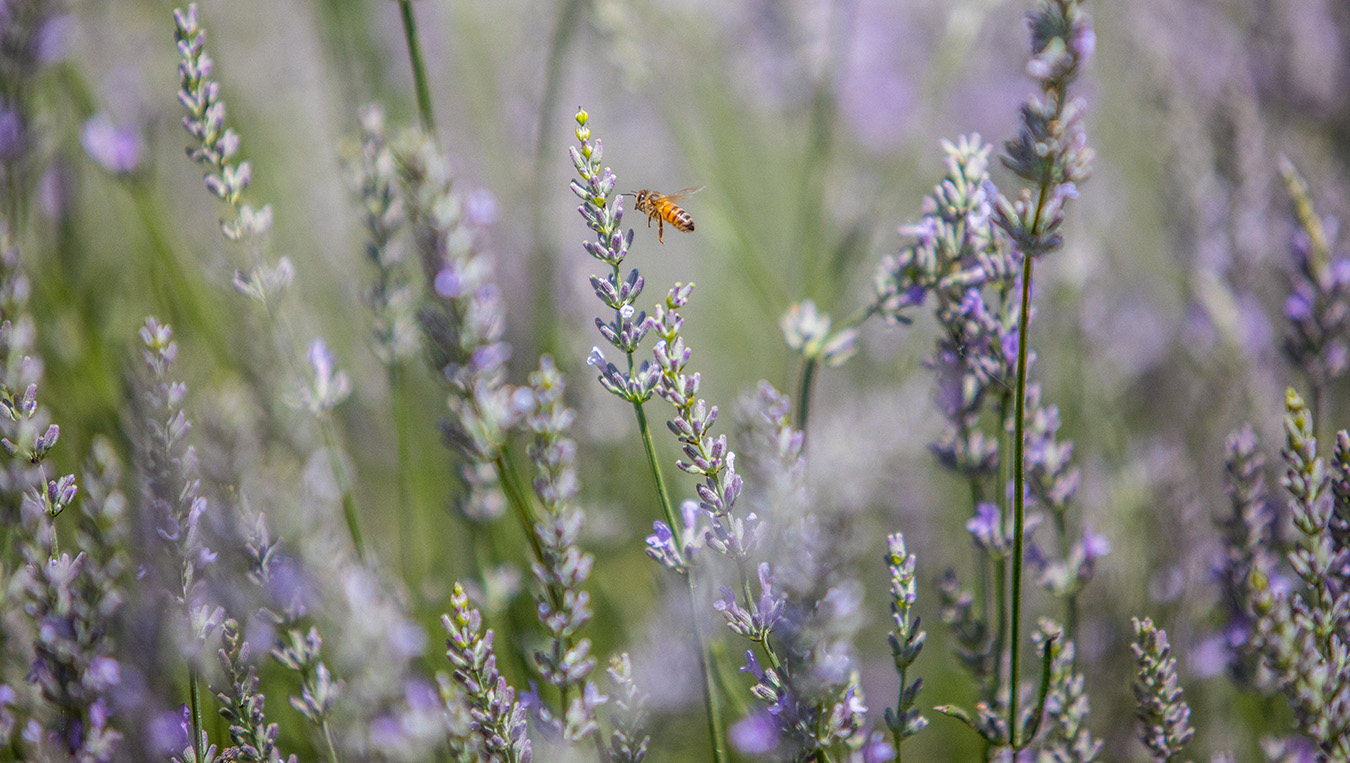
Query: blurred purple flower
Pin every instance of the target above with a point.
(756, 734)
(118, 150)
(480, 208)
(987, 528)
(11, 133)
(1094, 546)
(448, 283)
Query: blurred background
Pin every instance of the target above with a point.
(815, 126)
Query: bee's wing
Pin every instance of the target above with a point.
(683, 193)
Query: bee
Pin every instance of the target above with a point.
(663, 209)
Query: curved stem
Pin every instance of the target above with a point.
(419, 68)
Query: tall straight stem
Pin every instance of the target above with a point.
(419, 68)
(1019, 501)
(194, 697)
(1019, 479)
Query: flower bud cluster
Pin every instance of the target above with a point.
(497, 717)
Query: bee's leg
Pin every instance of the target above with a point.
(660, 230)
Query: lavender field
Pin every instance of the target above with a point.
(986, 403)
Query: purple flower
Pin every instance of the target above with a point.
(987, 528)
(1095, 546)
(447, 283)
(11, 133)
(118, 150)
(756, 734)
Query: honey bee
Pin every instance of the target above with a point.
(663, 209)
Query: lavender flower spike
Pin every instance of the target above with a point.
(498, 718)
(1164, 716)
(906, 641)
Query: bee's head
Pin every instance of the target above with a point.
(638, 197)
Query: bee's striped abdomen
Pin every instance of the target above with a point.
(681, 220)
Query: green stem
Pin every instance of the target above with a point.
(183, 295)
(419, 69)
(804, 393)
(194, 697)
(328, 740)
(1019, 476)
(506, 474)
(811, 364)
(1070, 601)
(1019, 498)
(712, 702)
(330, 443)
(398, 404)
(645, 430)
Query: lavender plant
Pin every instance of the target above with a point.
(1317, 308)
(373, 173)
(1249, 556)
(906, 642)
(1163, 715)
(974, 253)
(73, 602)
(602, 209)
(171, 501)
(805, 615)
(499, 719)
(242, 704)
(761, 541)
(216, 147)
(25, 27)
(562, 569)
(1301, 632)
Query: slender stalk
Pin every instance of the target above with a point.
(398, 404)
(711, 701)
(510, 482)
(329, 432)
(1019, 478)
(667, 508)
(809, 369)
(804, 392)
(1071, 601)
(328, 740)
(195, 698)
(182, 294)
(419, 69)
(568, 17)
